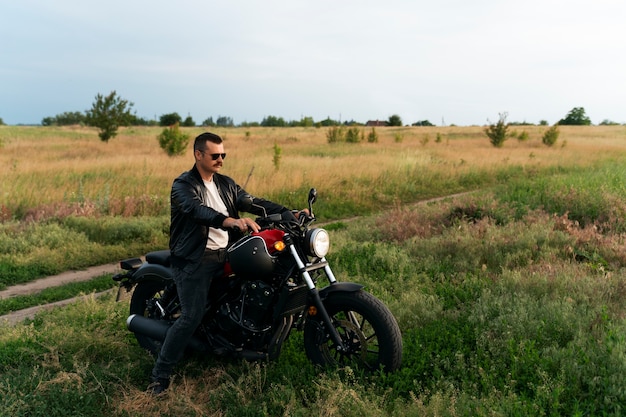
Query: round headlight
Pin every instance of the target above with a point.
(319, 242)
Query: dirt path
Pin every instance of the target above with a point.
(49, 282)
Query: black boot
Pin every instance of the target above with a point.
(158, 386)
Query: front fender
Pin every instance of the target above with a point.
(152, 272)
(340, 287)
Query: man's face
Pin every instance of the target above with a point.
(205, 162)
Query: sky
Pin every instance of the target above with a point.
(448, 61)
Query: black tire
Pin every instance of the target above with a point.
(139, 304)
(367, 329)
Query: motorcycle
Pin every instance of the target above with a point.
(269, 288)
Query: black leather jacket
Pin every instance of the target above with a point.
(191, 218)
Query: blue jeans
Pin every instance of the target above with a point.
(193, 290)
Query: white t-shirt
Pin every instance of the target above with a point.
(218, 238)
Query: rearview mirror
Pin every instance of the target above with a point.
(244, 202)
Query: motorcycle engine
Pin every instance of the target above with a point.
(247, 318)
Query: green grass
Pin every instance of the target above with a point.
(32, 250)
(510, 301)
(500, 315)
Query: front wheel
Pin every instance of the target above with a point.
(368, 331)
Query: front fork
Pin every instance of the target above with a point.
(315, 295)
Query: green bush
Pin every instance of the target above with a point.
(522, 137)
(353, 135)
(173, 141)
(497, 133)
(372, 137)
(550, 136)
(335, 134)
(277, 156)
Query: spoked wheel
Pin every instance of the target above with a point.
(368, 331)
(143, 303)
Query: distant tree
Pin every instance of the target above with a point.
(1, 122)
(422, 123)
(394, 120)
(108, 113)
(64, 119)
(188, 122)
(224, 121)
(328, 122)
(273, 121)
(576, 117)
(170, 119)
(543, 123)
(140, 121)
(71, 118)
(497, 133)
(208, 122)
(249, 124)
(306, 122)
(607, 122)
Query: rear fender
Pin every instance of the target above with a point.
(152, 272)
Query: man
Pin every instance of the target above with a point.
(204, 221)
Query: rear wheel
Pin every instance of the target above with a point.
(368, 331)
(143, 303)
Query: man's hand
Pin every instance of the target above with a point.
(242, 224)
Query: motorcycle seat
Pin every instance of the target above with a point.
(160, 257)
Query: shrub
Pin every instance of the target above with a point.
(522, 137)
(372, 137)
(550, 136)
(173, 141)
(335, 134)
(277, 155)
(497, 132)
(353, 135)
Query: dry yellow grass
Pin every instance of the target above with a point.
(44, 165)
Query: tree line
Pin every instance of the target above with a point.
(111, 111)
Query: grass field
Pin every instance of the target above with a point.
(43, 168)
(510, 299)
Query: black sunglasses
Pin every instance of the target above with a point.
(214, 156)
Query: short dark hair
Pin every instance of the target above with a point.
(200, 143)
